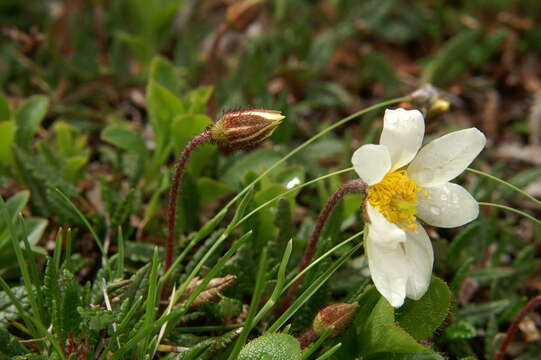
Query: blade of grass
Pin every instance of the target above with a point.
(157, 324)
(36, 281)
(522, 213)
(509, 185)
(20, 309)
(58, 248)
(150, 306)
(23, 265)
(280, 281)
(330, 352)
(119, 269)
(293, 189)
(85, 221)
(311, 290)
(312, 348)
(321, 258)
(311, 140)
(254, 303)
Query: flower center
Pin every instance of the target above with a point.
(396, 198)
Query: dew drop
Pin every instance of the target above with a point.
(435, 210)
(444, 197)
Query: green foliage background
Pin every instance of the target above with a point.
(97, 97)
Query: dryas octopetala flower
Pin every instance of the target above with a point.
(242, 129)
(405, 185)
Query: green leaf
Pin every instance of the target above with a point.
(28, 118)
(166, 74)
(275, 346)
(7, 136)
(451, 59)
(124, 138)
(422, 317)
(5, 110)
(197, 99)
(17, 202)
(9, 345)
(421, 355)
(460, 330)
(163, 106)
(186, 126)
(210, 190)
(379, 333)
(257, 161)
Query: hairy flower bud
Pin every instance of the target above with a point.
(241, 129)
(242, 13)
(338, 315)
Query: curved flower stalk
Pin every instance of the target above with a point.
(407, 183)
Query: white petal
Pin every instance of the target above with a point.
(371, 162)
(420, 258)
(382, 231)
(447, 206)
(446, 157)
(389, 270)
(403, 132)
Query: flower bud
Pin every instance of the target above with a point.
(241, 129)
(242, 13)
(437, 107)
(338, 315)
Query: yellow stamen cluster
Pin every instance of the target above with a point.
(396, 198)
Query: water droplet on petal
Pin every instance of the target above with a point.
(435, 210)
(444, 197)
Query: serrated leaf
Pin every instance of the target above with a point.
(28, 118)
(422, 317)
(379, 333)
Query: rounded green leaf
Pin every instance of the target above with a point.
(272, 347)
(422, 317)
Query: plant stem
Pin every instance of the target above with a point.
(176, 183)
(352, 186)
(532, 304)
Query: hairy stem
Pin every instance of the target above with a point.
(176, 183)
(532, 304)
(352, 186)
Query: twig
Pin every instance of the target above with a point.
(352, 186)
(532, 304)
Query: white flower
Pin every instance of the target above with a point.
(406, 184)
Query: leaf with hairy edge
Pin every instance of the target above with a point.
(379, 333)
(422, 317)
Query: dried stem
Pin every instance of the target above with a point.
(352, 186)
(176, 183)
(532, 304)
